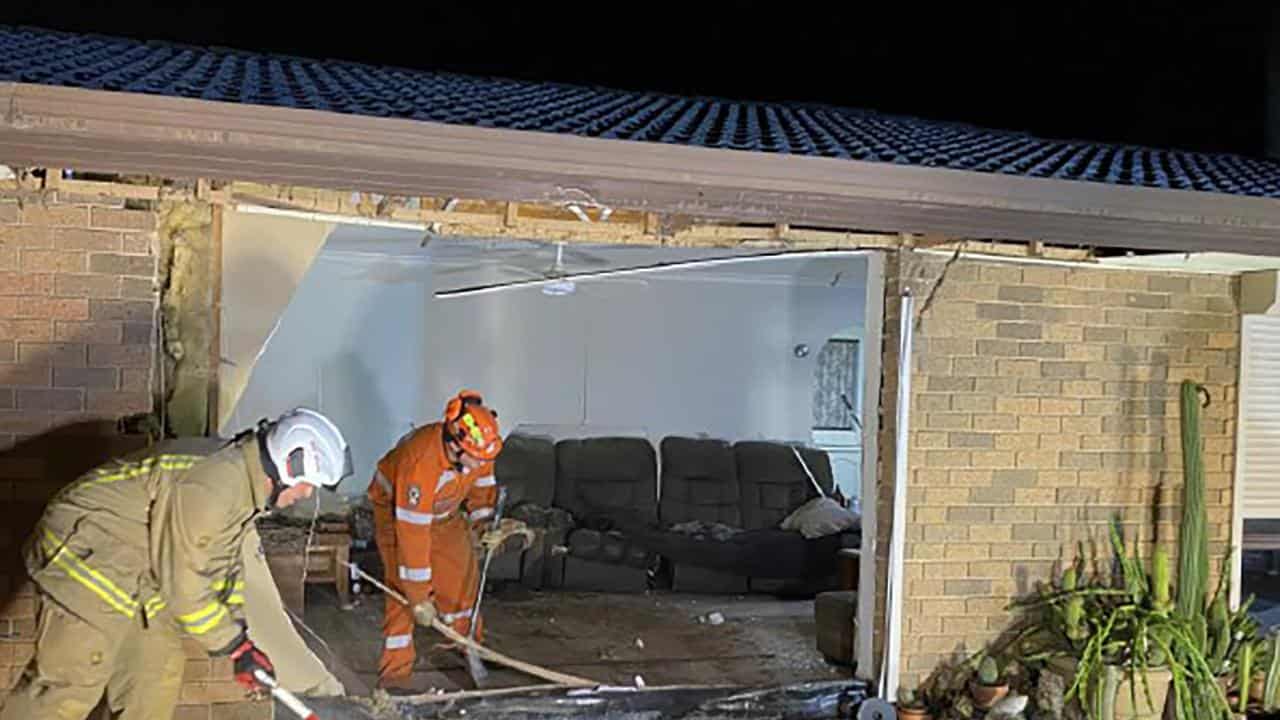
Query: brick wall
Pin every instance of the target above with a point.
(77, 307)
(1044, 402)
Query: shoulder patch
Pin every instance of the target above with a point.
(414, 495)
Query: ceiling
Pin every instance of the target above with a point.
(466, 262)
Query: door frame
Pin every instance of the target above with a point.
(872, 348)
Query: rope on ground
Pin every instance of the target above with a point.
(485, 653)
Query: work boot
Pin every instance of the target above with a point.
(399, 687)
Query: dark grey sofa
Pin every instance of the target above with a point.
(619, 528)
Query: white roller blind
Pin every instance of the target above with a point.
(1258, 438)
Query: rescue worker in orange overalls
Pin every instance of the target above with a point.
(427, 494)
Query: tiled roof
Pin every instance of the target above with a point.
(87, 61)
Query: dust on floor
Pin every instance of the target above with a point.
(664, 638)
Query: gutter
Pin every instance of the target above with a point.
(187, 138)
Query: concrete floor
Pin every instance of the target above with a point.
(608, 638)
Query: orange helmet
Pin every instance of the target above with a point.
(473, 426)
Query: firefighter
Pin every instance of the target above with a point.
(135, 555)
(427, 494)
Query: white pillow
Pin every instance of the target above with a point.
(821, 517)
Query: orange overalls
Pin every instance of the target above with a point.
(424, 539)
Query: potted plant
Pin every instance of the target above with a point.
(989, 686)
(911, 706)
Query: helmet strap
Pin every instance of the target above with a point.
(268, 464)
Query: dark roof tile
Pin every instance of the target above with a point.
(106, 63)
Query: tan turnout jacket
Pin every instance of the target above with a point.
(155, 538)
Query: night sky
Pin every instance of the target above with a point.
(1120, 71)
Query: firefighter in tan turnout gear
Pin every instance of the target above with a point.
(134, 555)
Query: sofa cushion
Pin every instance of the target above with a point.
(773, 483)
(609, 479)
(527, 469)
(607, 547)
(699, 482)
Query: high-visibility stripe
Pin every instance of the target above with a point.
(223, 584)
(155, 605)
(162, 462)
(398, 642)
(413, 517)
(456, 616)
(235, 599)
(77, 570)
(415, 574)
(204, 619)
(481, 514)
(486, 481)
(384, 482)
(446, 477)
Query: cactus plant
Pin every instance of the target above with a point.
(1073, 611)
(1219, 634)
(988, 671)
(1193, 539)
(907, 698)
(1245, 675)
(1162, 601)
(1271, 688)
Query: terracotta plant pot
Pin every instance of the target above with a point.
(986, 696)
(1158, 681)
(907, 713)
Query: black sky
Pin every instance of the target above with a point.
(1135, 71)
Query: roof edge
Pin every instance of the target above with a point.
(181, 137)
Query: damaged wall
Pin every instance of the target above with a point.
(1044, 402)
(79, 293)
(264, 259)
(188, 276)
(352, 344)
(678, 354)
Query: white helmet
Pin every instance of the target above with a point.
(307, 447)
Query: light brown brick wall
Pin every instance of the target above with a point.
(77, 349)
(1045, 402)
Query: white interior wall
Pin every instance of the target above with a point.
(676, 355)
(351, 344)
(684, 352)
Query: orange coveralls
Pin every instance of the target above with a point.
(424, 538)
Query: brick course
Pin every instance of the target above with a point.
(1071, 375)
(77, 300)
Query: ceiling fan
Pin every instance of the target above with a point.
(556, 281)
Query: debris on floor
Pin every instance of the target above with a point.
(769, 641)
(804, 701)
(713, 618)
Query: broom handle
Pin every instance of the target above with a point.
(484, 652)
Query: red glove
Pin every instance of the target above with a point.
(246, 659)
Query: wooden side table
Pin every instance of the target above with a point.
(325, 563)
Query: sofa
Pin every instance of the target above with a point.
(709, 521)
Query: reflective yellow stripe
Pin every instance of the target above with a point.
(163, 462)
(204, 619)
(235, 599)
(155, 605)
(99, 585)
(220, 585)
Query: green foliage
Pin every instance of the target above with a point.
(1193, 537)
(989, 671)
(1271, 688)
(1119, 624)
